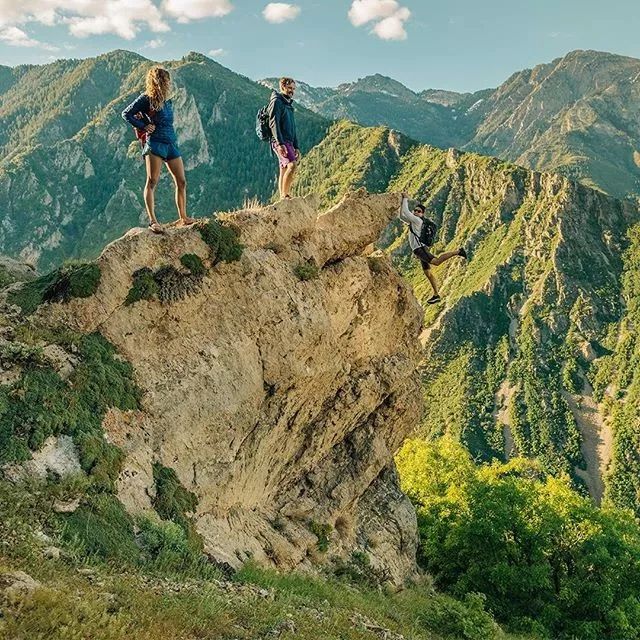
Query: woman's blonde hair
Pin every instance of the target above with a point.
(157, 87)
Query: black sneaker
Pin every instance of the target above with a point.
(462, 253)
(433, 300)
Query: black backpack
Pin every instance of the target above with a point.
(428, 232)
(263, 130)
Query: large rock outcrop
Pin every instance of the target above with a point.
(278, 401)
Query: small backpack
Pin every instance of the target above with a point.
(141, 134)
(263, 130)
(428, 232)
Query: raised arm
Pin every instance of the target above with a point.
(139, 105)
(406, 215)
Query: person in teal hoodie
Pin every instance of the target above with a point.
(151, 114)
(284, 138)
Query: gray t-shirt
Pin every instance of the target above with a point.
(414, 222)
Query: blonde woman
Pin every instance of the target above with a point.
(151, 114)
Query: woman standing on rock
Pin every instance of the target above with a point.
(151, 114)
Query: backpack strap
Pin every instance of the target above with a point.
(415, 234)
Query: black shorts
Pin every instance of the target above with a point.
(424, 256)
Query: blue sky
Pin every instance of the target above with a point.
(461, 44)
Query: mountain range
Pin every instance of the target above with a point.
(578, 115)
(71, 174)
(534, 350)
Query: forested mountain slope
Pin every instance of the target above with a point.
(71, 175)
(519, 356)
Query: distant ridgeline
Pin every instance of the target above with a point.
(578, 115)
(71, 175)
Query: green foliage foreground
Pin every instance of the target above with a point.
(121, 578)
(547, 560)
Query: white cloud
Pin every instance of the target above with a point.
(120, 17)
(16, 37)
(86, 17)
(188, 10)
(389, 17)
(363, 11)
(217, 53)
(279, 12)
(392, 28)
(156, 43)
(124, 18)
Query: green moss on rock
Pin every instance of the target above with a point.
(62, 285)
(167, 284)
(144, 286)
(41, 404)
(194, 264)
(306, 271)
(174, 285)
(173, 502)
(322, 532)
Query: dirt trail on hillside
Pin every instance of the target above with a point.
(597, 440)
(503, 400)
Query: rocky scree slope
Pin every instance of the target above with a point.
(275, 388)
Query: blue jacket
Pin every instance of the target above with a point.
(282, 120)
(163, 119)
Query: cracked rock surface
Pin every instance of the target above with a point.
(279, 402)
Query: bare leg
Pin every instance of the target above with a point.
(433, 280)
(283, 170)
(444, 257)
(288, 177)
(154, 166)
(176, 169)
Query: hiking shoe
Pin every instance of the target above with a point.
(462, 253)
(434, 300)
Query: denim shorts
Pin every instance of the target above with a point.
(165, 150)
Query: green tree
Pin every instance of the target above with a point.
(547, 560)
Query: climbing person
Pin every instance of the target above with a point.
(284, 140)
(421, 237)
(151, 115)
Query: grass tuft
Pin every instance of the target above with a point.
(194, 264)
(144, 286)
(322, 532)
(223, 242)
(306, 271)
(167, 284)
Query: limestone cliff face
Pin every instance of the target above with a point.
(279, 402)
